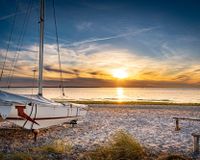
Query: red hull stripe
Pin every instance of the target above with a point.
(42, 118)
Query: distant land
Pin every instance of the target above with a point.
(99, 83)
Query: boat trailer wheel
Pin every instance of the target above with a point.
(73, 122)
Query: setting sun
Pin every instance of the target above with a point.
(119, 73)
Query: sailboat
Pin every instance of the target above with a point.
(34, 112)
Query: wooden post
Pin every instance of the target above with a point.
(195, 143)
(35, 132)
(177, 128)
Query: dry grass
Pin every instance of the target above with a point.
(56, 150)
(57, 147)
(122, 146)
(1, 155)
(16, 156)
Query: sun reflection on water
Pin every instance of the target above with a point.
(120, 93)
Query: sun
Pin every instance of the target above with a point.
(119, 73)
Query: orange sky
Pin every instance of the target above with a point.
(100, 66)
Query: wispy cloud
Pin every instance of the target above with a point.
(53, 37)
(183, 78)
(84, 26)
(50, 69)
(111, 37)
(9, 16)
(13, 14)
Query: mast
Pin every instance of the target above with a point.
(41, 48)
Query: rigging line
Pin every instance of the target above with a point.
(32, 105)
(33, 82)
(35, 115)
(20, 42)
(34, 74)
(9, 41)
(58, 50)
(37, 55)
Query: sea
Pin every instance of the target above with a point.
(174, 95)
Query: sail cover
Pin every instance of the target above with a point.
(10, 99)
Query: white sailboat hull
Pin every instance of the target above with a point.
(38, 112)
(46, 116)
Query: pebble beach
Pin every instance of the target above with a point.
(152, 125)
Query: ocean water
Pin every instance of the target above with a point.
(180, 95)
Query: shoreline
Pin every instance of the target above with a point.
(148, 103)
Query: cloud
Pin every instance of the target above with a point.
(52, 37)
(8, 16)
(84, 26)
(13, 14)
(50, 69)
(92, 40)
(146, 74)
(94, 73)
(183, 78)
(100, 62)
(197, 70)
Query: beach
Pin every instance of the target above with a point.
(152, 125)
(99, 80)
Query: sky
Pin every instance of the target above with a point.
(155, 43)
